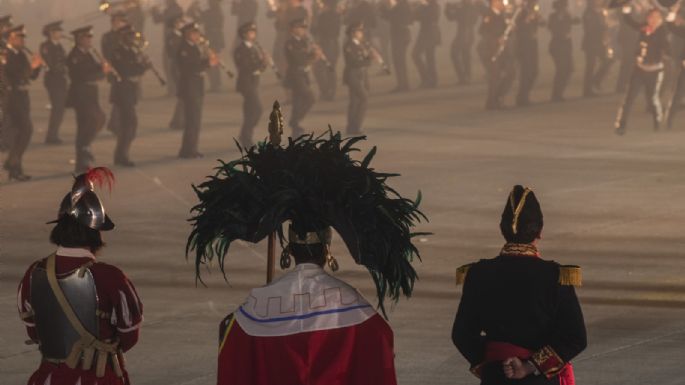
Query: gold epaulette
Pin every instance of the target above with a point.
(461, 273)
(570, 275)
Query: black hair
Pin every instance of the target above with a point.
(529, 223)
(68, 232)
(315, 253)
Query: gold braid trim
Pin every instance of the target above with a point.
(519, 249)
(462, 271)
(516, 209)
(570, 275)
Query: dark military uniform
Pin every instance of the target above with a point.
(501, 71)
(250, 62)
(400, 18)
(172, 46)
(561, 49)
(167, 18)
(679, 90)
(84, 72)
(192, 64)
(519, 306)
(357, 59)
(596, 45)
(213, 22)
(326, 31)
(465, 14)
(428, 38)
(136, 16)
(283, 16)
(300, 56)
(108, 44)
(18, 74)
(527, 54)
(55, 81)
(124, 94)
(627, 38)
(648, 73)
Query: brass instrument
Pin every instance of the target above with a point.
(139, 45)
(385, 69)
(321, 55)
(269, 60)
(102, 61)
(507, 34)
(30, 53)
(204, 42)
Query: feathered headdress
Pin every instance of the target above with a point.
(314, 183)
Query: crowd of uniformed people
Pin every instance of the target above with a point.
(641, 39)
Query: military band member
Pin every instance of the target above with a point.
(527, 54)
(130, 66)
(250, 60)
(284, 13)
(326, 31)
(519, 320)
(596, 46)
(85, 71)
(108, 43)
(171, 49)
(677, 26)
(561, 47)
(465, 14)
(193, 61)
(167, 17)
(427, 13)
(399, 16)
(300, 54)
(648, 72)
(20, 68)
(5, 24)
(358, 57)
(82, 314)
(496, 54)
(212, 20)
(626, 41)
(55, 78)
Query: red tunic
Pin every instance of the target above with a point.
(119, 309)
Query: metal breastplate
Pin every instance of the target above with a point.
(55, 333)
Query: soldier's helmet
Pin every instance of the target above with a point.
(83, 204)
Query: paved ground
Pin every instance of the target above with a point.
(612, 205)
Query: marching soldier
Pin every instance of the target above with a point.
(250, 60)
(648, 72)
(627, 39)
(5, 24)
(168, 17)
(86, 69)
(399, 16)
(82, 314)
(358, 58)
(561, 47)
(284, 13)
(172, 45)
(465, 14)
(519, 320)
(55, 78)
(20, 69)
(193, 61)
(300, 54)
(213, 23)
(495, 54)
(527, 49)
(130, 66)
(326, 31)
(596, 46)
(427, 14)
(108, 43)
(677, 26)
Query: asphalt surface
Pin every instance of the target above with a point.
(614, 205)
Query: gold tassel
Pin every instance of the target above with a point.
(101, 363)
(570, 275)
(462, 271)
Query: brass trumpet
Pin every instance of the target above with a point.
(139, 45)
(204, 42)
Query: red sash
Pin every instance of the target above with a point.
(500, 351)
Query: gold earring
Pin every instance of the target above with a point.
(285, 258)
(330, 259)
